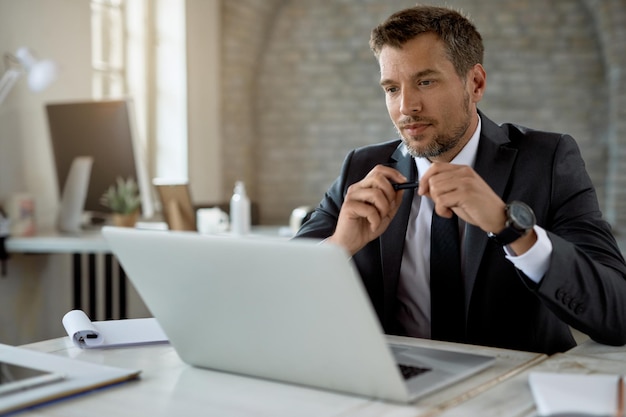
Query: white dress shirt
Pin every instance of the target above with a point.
(414, 283)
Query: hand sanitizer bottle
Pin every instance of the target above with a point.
(240, 210)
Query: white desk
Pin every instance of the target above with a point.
(597, 350)
(513, 397)
(85, 247)
(55, 242)
(91, 241)
(169, 387)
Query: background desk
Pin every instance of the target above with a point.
(169, 387)
(84, 247)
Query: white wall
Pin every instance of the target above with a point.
(60, 30)
(55, 29)
(37, 289)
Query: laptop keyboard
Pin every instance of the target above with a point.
(411, 371)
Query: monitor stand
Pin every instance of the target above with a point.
(74, 195)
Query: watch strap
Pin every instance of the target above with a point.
(505, 237)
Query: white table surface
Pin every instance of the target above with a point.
(92, 241)
(598, 350)
(513, 396)
(169, 387)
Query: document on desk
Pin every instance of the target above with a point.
(111, 333)
(561, 394)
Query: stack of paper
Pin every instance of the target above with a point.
(576, 394)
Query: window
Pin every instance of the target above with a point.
(138, 51)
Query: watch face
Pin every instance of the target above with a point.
(521, 215)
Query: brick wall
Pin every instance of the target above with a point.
(300, 88)
(609, 20)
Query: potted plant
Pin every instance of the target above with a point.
(123, 200)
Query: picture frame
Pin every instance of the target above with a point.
(176, 204)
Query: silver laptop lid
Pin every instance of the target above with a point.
(292, 311)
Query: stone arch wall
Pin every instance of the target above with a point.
(610, 23)
(300, 87)
(245, 28)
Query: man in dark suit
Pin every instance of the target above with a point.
(536, 256)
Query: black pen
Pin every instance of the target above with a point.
(406, 186)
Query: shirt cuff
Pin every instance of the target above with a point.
(536, 261)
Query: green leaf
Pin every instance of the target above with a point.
(122, 197)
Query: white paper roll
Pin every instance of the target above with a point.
(81, 329)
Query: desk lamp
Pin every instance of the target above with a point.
(41, 73)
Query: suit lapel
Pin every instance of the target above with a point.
(494, 162)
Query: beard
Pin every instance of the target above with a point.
(442, 142)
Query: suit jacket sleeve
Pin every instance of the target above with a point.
(585, 285)
(356, 165)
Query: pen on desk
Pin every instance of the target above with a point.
(406, 185)
(620, 397)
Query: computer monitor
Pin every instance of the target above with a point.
(99, 138)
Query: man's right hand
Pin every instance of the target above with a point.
(368, 208)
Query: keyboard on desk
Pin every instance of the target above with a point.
(409, 371)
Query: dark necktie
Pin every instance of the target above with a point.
(446, 285)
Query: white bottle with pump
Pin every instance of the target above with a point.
(240, 210)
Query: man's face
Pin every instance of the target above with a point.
(433, 109)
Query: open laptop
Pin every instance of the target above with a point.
(292, 311)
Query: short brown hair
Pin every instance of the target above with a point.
(463, 42)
